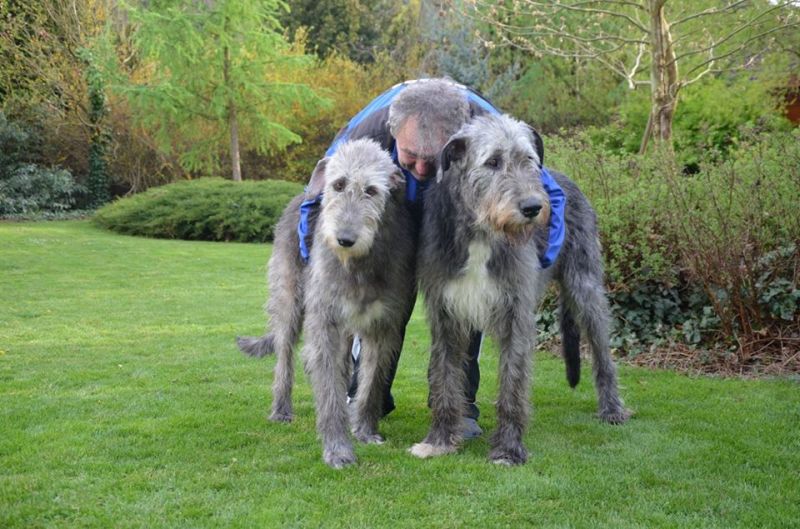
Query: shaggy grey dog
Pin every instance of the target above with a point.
(479, 270)
(359, 281)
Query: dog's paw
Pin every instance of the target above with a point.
(370, 439)
(339, 458)
(426, 450)
(617, 416)
(281, 416)
(509, 455)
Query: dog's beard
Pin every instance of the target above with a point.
(504, 219)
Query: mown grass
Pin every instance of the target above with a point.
(125, 403)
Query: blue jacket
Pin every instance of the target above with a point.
(371, 122)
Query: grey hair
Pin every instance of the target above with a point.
(439, 105)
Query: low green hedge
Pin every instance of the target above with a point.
(206, 209)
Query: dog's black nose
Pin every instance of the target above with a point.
(346, 240)
(530, 207)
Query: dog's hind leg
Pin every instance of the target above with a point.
(513, 402)
(285, 309)
(446, 379)
(585, 295)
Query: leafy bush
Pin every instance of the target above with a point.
(706, 259)
(14, 145)
(34, 189)
(210, 209)
(712, 116)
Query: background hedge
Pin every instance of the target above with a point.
(206, 209)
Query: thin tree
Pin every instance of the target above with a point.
(664, 45)
(208, 73)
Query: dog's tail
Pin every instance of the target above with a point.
(571, 346)
(257, 347)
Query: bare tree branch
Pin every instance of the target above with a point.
(746, 25)
(741, 46)
(557, 6)
(708, 12)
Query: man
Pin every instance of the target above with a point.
(413, 121)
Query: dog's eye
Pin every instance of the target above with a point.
(339, 185)
(493, 162)
(371, 191)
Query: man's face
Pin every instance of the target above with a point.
(412, 155)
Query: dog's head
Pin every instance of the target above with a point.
(493, 164)
(356, 183)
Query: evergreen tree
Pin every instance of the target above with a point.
(209, 74)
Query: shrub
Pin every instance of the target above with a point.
(31, 189)
(708, 259)
(15, 142)
(209, 209)
(737, 230)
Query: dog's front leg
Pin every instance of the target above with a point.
(446, 384)
(326, 362)
(513, 408)
(379, 348)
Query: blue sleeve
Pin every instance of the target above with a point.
(306, 207)
(558, 201)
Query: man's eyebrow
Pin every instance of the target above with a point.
(417, 155)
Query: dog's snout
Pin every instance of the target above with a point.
(530, 207)
(346, 239)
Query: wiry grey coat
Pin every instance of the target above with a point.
(479, 270)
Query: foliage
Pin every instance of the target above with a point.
(737, 229)
(664, 45)
(208, 209)
(714, 115)
(704, 259)
(30, 188)
(17, 145)
(348, 28)
(42, 81)
(342, 81)
(554, 95)
(454, 50)
(98, 180)
(216, 74)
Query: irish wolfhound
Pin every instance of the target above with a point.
(478, 268)
(359, 281)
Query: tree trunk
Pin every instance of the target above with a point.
(664, 79)
(233, 124)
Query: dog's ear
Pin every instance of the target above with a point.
(454, 151)
(397, 181)
(317, 182)
(538, 144)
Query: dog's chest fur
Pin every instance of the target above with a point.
(361, 294)
(473, 294)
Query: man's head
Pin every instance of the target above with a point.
(422, 118)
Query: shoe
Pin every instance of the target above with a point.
(470, 428)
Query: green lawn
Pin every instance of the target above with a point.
(125, 403)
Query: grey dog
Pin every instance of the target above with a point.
(359, 281)
(479, 270)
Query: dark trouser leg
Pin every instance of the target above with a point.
(388, 400)
(473, 375)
